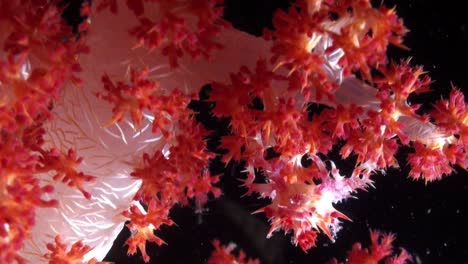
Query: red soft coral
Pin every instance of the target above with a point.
(66, 168)
(223, 255)
(143, 224)
(428, 164)
(381, 249)
(171, 31)
(59, 255)
(452, 114)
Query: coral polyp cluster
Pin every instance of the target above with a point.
(97, 127)
(381, 249)
(35, 61)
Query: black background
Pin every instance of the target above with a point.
(429, 220)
